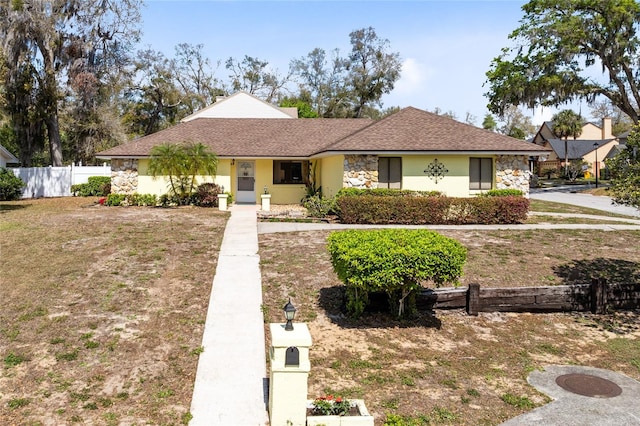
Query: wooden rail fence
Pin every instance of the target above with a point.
(596, 297)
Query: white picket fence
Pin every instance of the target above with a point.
(56, 181)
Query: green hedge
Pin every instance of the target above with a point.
(385, 192)
(502, 193)
(432, 210)
(132, 200)
(96, 186)
(394, 261)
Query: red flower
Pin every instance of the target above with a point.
(339, 399)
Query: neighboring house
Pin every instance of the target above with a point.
(6, 157)
(594, 141)
(411, 149)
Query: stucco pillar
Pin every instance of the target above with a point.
(222, 202)
(290, 366)
(266, 202)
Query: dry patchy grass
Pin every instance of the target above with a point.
(102, 310)
(452, 368)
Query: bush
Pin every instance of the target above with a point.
(318, 206)
(114, 199)
(206, 195)
(99, 186)
(394, 261)
(11, 186)
(503, 193)
(432, 210)
(229, 198)
(385, 192)
(140, 200)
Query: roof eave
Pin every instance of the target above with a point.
(432, 152)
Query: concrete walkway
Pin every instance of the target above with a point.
(231, 381)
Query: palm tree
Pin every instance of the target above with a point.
(567, 123)
(199, 161)
(167, 160)
(182, 163)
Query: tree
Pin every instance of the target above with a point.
(624, 170)
(567, 123)
(195, 76)
(254, 76)
(45, 42)
(557, 45)
(516, 124)
(154, 95)
(373, 69)
(181, 163)
(304, 108)
(324, 79)
(489, 122)
(620, 122)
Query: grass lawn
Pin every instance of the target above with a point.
(450, 368)
(102, 310)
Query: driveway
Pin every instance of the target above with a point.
(569, 195)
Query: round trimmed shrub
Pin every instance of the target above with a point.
(11, 186)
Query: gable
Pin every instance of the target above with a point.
(241, 105)
(590, 132)
(7, 157)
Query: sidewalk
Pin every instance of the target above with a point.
(231, 381)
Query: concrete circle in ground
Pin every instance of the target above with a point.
(588, 385)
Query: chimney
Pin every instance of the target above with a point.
(607, 128)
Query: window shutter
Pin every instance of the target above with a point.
(383, 172)
(395, 173)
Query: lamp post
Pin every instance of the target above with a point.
(597, 169)
(289, 314)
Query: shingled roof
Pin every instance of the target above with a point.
(412, 129)
(409, 130)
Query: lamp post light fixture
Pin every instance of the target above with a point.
(289, 314)
(597, 169)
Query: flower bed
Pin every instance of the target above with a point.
(357, 414)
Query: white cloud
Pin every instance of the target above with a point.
(412, 76)
(542, 114)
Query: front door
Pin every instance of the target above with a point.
(246, 182)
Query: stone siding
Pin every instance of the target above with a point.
(124, 176)
(512, 172)
(360, 171)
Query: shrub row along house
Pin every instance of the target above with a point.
(264, 148)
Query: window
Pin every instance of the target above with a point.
(480, 173)
(390, 172)
(289, 172)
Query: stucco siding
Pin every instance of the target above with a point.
(331, 171)
(453, 182)
(160, 185)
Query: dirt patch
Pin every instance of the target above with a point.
(450, 367)
(102, 310)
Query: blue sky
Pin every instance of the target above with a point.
(446, 46)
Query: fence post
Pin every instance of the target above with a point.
(598, 295)
(473, 299)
